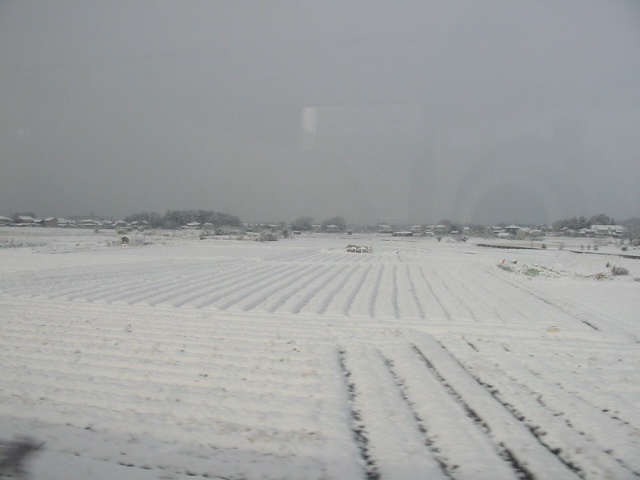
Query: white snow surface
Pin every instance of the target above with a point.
(174, 357)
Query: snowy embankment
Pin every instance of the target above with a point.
(296, 359)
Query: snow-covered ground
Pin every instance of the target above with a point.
(175, 358)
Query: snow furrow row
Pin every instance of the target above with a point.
(572, 432)
(395, 443)
(515, 439)
(462, 445)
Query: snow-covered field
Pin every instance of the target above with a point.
(226, 359)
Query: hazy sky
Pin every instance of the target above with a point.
(377, 111)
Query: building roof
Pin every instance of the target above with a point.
(607, 228)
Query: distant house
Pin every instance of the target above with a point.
(525, 233)
(4, 220)
(88, 223)
(193, 225)
(332, 229)
(24, 220)
(608, 230)
(97, 219)
(512, 229)
(50, 222)
(385, 229)
(417, 230)
(402, 234)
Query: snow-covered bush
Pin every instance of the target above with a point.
(267, 237)
(619, 271)
(530, 271)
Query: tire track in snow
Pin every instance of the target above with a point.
(157, 290)
(457, 308)
(222, 281)
(255, 384)
(414, 292)
(511, 298)
(559, 435)
(297, 287)
(547, 301)
(224, 428)
(394, 292)
(279, 277)
(485, 309)
(240, 284)
(461, 446)
(374, 292)
(360, 435)
(319, 287)
(386, 293)
(152, 321)
(542, 406)
(446, 279)
(394, 445)
(96, 288)
(156, 398)
(408, 304)
(125, 283)
(275, 287)
(529, 456)
(191, 289)
(117, 363)
(344, 297)
(328, 299)
(361, 301)
(597, 394)
(356, 290)
(92, 283)
(433, 294)
(191, 352)
(45, 281)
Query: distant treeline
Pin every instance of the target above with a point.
(178, 218)
(578, 223)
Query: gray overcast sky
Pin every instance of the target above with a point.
(377, 111)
